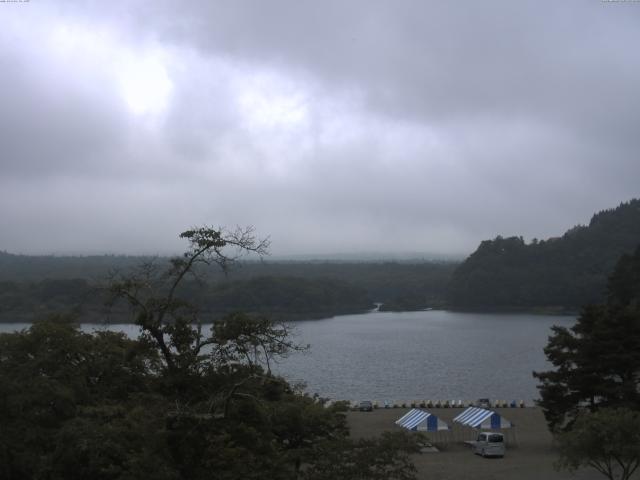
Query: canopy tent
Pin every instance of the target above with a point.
(475, 417)
(422, 421)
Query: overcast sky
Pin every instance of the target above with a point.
(332, 126)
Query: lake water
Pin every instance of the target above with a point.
(432, 355)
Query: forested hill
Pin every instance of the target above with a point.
(559, 273)
(33, 286)
(20, 268)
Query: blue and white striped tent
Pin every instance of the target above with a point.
(422, 421)
(475, 417)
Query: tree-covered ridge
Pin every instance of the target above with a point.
(33, 268)
(287, 290)
(287, 297)
(282, 297)
(562, 273)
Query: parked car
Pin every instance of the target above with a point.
(489, 444)
(483, 403)
(365, 406)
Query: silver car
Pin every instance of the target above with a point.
(489, 444)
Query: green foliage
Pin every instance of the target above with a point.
(607, 440)
(287, 297)
(559, 273)
(51, 376)
(122, 441)
(385, 458)
(624, 283)
(101, 406)
(597, 361)
(176, 403)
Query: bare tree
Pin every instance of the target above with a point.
(172, 323)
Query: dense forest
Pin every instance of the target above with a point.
(555, 274)
(40, 285)
(282, 297)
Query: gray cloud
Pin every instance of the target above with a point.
(332, 126)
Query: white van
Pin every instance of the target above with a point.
(489, 444)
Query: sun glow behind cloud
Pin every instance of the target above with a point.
(140, 76)
(145, 83)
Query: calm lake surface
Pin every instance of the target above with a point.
(432, 355)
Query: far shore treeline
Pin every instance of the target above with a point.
(286, 290)
(553, 275)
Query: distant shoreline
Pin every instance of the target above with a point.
(125, 318)
(572, 312)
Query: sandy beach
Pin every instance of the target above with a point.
(529, 456)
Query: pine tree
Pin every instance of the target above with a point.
(597, 361)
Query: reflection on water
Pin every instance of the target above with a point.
(435, 355)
